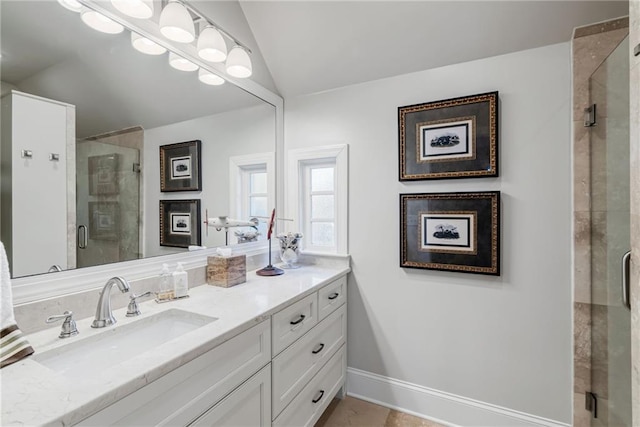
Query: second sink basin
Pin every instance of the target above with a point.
(120, 343)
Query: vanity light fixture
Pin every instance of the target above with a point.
(239, 63)
(71, 5)
(144, 45)
(176, 23)
(141, 9)
(99, 22)
(211, 45)
(209, 78)
(180, 63)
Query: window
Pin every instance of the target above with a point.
(317, 195)
(252, 188)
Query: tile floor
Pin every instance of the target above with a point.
(352, 412)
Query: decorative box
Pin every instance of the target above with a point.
(226, 271)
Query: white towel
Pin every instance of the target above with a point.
(13, 345)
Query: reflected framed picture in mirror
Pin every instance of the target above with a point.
(180, 166)
(103, 174)
(180, 223)
(104, 220)
(451, 231)
(453, 138)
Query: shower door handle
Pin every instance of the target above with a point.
(626, 272)
(83, 237)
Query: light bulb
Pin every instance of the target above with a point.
(141, 9)
(180, 63)
(99, 22)
(209, 78)
(176, 23)
(211, 45)
(72, 5)
(239, 63)
(144, 45)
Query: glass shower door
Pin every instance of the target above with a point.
(610, 240)
(107, 203)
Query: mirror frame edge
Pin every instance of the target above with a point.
(30, 289)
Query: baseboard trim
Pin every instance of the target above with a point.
(435, 405)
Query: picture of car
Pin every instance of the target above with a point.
(448, 140)
(181, 223)
(446, 231)
(182, 168)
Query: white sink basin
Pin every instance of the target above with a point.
(120, 342)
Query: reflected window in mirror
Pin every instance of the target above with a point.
(252, 185)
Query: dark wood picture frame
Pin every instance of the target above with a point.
(181, 166)
(453, 138)
(180, 223)
(451, 231)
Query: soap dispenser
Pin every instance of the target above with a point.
(164, 287)
(180, 282)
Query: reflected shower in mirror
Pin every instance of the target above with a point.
(84, 115)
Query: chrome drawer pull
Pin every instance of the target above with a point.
(300, 319)
(334, 295)
(317, 399)
(319, 349)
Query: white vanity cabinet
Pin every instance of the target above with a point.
(199, 387)
(283, 372)
(310, 371)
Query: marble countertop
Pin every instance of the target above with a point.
(33, 394)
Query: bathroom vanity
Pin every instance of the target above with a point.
(271, 351)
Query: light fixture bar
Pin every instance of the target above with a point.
(204, 18)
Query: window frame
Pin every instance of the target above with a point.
(300, 162)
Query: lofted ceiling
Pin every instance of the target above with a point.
(312, 46)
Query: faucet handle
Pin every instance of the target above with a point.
(132, 308)
(69, 327)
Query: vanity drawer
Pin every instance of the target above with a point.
(331, 297)
(180, 396)
(311, 402)
(295, 366)
(293, 322)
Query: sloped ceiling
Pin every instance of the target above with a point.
(312, 46)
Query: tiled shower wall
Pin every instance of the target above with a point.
(591, 46)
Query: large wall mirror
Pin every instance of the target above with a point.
(111, 109)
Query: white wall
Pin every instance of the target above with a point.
(501, 340)
(239, 132)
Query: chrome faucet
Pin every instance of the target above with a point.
(104, 315)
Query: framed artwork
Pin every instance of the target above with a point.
(454, 138)
(103, 174)
(451, 231)
(104, 220)
(180, 223)
(180, 167)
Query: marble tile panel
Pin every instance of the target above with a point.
(400, 419)
(635, 316)
(582, 257)
(351, 412)
(581, 167)
(600, 350)
(634, 127)
(581, 417)
(599, 257)
(588, 54)
(601, 27)
(598, 166)
(582, 347)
